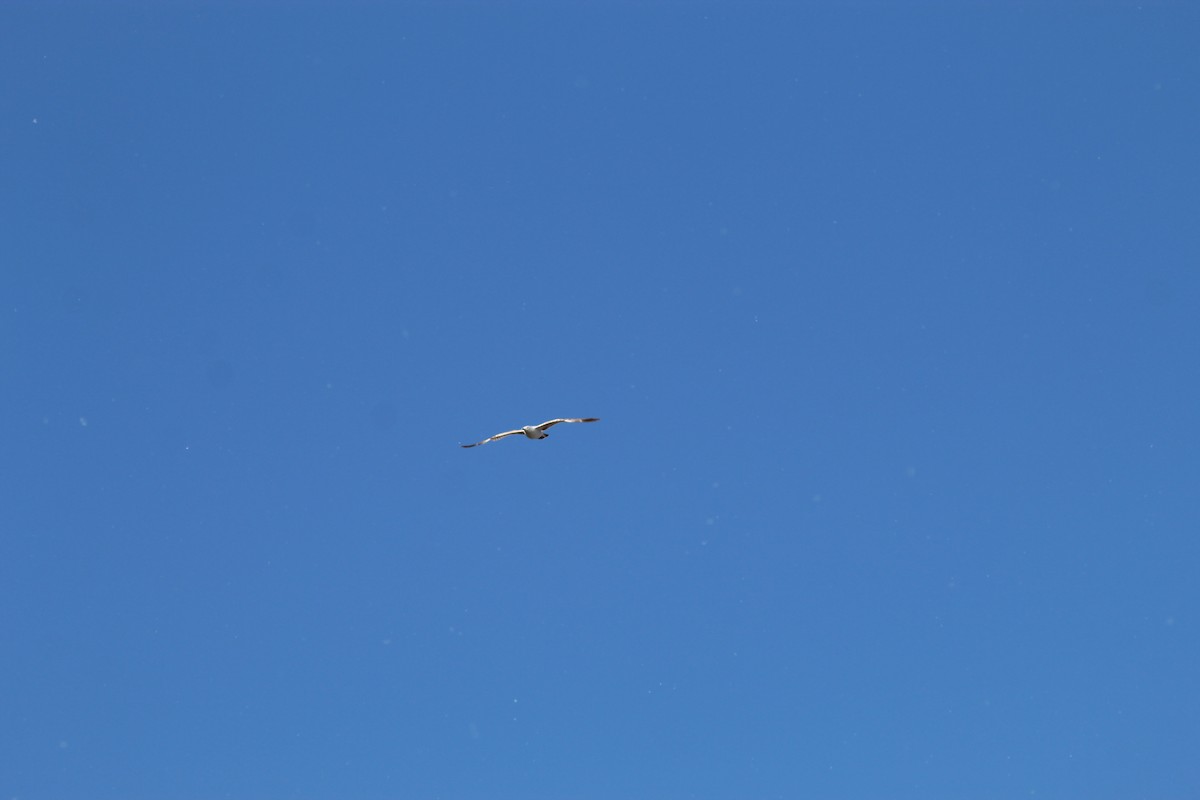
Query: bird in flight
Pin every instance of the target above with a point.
(531, 431)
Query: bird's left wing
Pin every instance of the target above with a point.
(553, 422)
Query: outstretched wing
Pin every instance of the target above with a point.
(493, 438)
(554, 422)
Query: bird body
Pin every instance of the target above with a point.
(532, 431)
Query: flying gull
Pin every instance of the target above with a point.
(531, 431)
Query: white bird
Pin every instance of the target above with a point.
(531, 431)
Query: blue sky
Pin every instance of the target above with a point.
(889, 315)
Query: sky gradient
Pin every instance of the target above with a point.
(889, 315)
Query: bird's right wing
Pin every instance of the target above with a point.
(493, 438)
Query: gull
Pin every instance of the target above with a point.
(531, 431)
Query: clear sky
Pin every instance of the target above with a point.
(890, 316)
